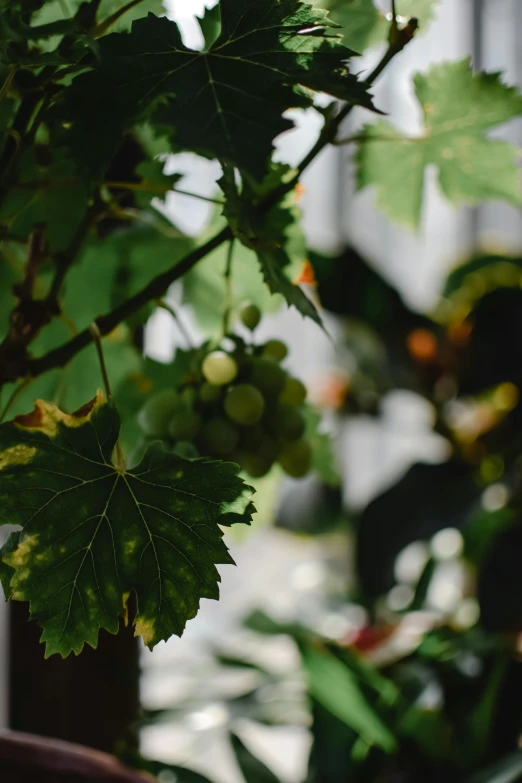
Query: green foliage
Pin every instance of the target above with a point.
(217, 109)
(49, 192)
(459, 108)
(94, 532)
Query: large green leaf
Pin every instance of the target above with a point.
(92, 532)
(336, 688)
(115, 267)
(459, 108)
(225, 103)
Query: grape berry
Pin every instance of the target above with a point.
(240, 405)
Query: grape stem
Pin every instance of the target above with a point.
(96, 336)
(179, 321)
(228, 288)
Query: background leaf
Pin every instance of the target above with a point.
(336, 688)
(459, 108)
(253, 769)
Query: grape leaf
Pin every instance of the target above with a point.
(274, 235)
(273, 263)
(92, 532)
(225, 103)
(113, 268)
(364, 25)
(210, 25)
(459, 108)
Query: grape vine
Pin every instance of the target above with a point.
(92, 102)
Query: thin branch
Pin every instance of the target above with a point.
(153, 219)
(228, 288)
(96, 336)
(150, 187)
(330, 129)
(106, 323)
(146, 187)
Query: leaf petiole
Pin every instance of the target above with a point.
(96, 336)
(228, 288)
(179, 321)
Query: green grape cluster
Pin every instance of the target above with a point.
(238, 404)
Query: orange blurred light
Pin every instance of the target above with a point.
(422, 345)
(307, 274)
(332, 391)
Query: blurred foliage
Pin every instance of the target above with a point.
(424, 681)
